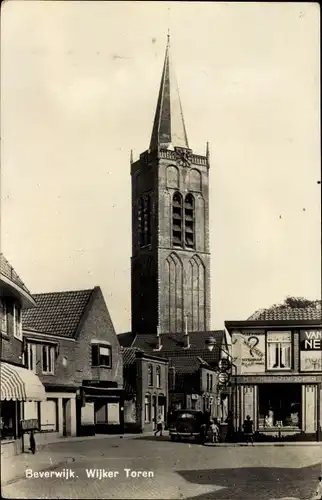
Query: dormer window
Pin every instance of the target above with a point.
(3, 317)
(101, 355)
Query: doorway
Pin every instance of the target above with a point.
(65, 417)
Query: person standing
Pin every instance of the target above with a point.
(318, 493)
(230, 427)
(159, 426)
(248, 430)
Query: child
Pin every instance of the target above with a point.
(159, 426)
(214, 431)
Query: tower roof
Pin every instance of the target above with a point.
(168, 128)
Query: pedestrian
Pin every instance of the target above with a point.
(203, 433)
(159, 426)
(214, 431)
(318, 493)
(248, 430)
(32, 443)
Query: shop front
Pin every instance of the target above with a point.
(281, 407)
(18, 385)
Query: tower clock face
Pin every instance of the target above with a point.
(183, 157)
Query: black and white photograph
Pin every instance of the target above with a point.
(160, 258)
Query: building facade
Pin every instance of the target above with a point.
(18, 385)
(71, 344)
(278, 359)
(170, 267)
(146, 389)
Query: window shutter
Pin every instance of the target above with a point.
(95, 355)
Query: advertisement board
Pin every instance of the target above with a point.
(310, 340)
(248, 352)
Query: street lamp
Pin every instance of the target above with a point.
(225, 366)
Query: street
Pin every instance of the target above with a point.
(162, 469)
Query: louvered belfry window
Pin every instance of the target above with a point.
(177, 221)
(189, 221)
(144, 220)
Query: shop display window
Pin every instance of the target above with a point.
(279, 405)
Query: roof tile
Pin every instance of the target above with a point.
(8, 271)
(57, 313)
(288, 314)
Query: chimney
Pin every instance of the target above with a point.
(159, 343)
(186, 341)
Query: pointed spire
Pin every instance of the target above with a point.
(168, 128)
(207, 152)
(131, 156)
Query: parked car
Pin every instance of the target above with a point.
(185, 424)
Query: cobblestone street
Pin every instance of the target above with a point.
(174, 470)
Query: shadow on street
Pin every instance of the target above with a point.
(256, 482)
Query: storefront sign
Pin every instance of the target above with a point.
(28, 425)
(311, 361)
(311, 340)
(280, 379)
(248, 352)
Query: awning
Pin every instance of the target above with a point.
(19, 384)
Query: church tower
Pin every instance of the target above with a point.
(170, 267)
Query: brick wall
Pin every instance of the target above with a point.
(97, 324)
(150, 298)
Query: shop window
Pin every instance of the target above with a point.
(30, 357)
(48, 359)
(279, 350)
(3, 317)
(101, 414)
(177, 221)
(189, 221)
(147, 409)
(49, 415)
(17, 327)
(144, 220)
(158, 372)
(279, 405)
(8, 419)
(150, 376)
(101, 356)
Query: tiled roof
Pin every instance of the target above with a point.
(129, 355)
(8, 271)
(288, 313)
(57, 313)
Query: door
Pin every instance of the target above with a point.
(65, 424)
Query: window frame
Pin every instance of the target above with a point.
(96, 363)
(50, 356)
(147, 409)
(144, 220)
(150, 375)
(193, 210)
(279, 345)
(17, 323)
(183, 220)
(158, 376)
(30, 353)
(4, 318)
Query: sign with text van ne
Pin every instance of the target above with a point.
(311, 340)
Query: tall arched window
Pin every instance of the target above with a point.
(177, 220)
(144, 220)
(189, 221)
(150, 376)
(158, 371)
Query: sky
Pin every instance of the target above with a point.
(79, 85)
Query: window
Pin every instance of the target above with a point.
(279, 405)
(30, 358)
(177, 220)
(144, 220)
(3, 317)
(17, 327)
(147, 409)
(210, 383)
(207, 381)
(48, 359)
(158, 371)
(150, 376)
(279, 350)
(189, 221)
(101, 355)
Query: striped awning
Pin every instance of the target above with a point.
(19, 384)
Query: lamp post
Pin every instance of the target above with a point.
(226, 367)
